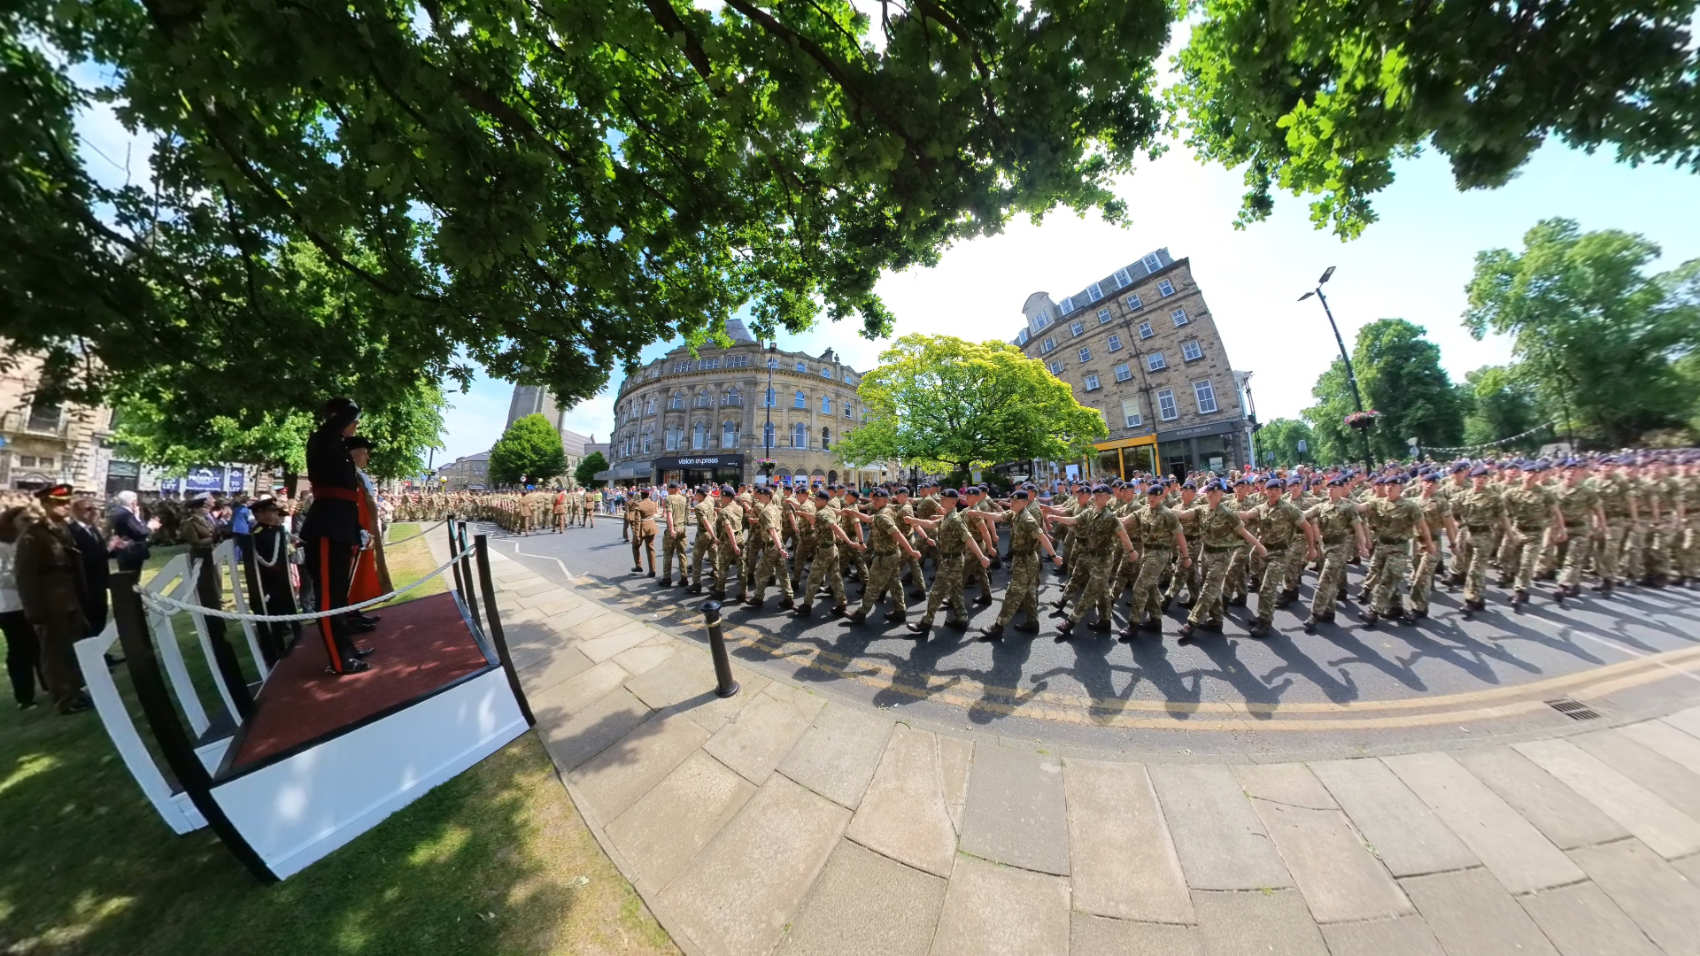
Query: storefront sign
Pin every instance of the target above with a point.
(728, 462)
(204, 479)
(1199, 431)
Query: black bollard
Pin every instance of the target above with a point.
(725, 686)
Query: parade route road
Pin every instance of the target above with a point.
(1356, 688)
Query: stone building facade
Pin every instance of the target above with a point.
(713, 416)
(44, 443)
(464, 473)
(1142, 347)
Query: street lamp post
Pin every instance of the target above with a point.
(1351, 377)
(767, 402)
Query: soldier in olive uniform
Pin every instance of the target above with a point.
(954, 543)
(852, 562)
(825, 573)
(1534, 513)
(888, 543)
(771, 567)
(1579, 503)
(707, 542)
(1221, 533)
(1395, 520)
(1285, 532)
(901, 510)
(1437, 517)
(1094, 531)
(1161, 543)
(674, 534)
(1342, 532)
(1188, 510)
(49, 572)
(1618, 503)
(1480, 514)
(1026, 537)
(1242, 568)
(729, 517)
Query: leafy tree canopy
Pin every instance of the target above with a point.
(544, 187)
(1281, 438)
(1592, 332)
(946, 404)
(1318, 97)
(585, 473)
(1501, 404)
(1399, 372)
(530, 450)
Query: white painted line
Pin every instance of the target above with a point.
(1633, 652)
(543, 557)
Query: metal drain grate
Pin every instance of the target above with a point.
(1574, 709)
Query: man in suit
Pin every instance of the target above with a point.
(95, 547)
(128, 527)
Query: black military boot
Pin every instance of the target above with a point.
(920, 628)
(1310, 624)
(1186, 633)
(1031, 627)
(788, 605)
(1100, 626)
(1519, 598)
(1371, 618)
(1258, 629)
(1128, 634)
(857, 617)
(1063, 630)
(991, 633)
(984, 600)
(800, 611)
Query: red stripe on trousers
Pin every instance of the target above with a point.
(324, 600)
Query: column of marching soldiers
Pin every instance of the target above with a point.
(1629, 520)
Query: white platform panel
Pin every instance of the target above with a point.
(301, 809)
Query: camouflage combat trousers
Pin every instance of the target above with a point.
(1208, 604)
(724, 561)
(1391, 563)
(1234, 586)
(824, 572)
(881, 580)
(800, 557)
(770, 567)
(947, 589)
(1663, 540)
(1095, 592)
(1186, 577)
(1528, 556)
(849, 559)
(1422, 582)
(1274, 578)
(1023, 591)
(672, 545)
(1579, 548)
(973, 575)
(1295, 569)
(1335, 556)
(1147, 598)
(703, 549)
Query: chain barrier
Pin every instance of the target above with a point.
(419, 534)
(161, 604)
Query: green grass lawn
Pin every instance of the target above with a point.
(495, 861)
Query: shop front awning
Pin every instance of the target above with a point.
(625, 471)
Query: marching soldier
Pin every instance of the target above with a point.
(771, 567)
(882, 577)
(951, 539)
(1093, 530)
(1437, 517)
(729, 517)
(1342, 532)
(1285, 532)
(825, 573)
(673, 511)
(1394, 519)
(1534, 513)
(1221, 532)
(1161, 543)
(1482, 516)
(707, 542)
(1584, 520)
(1026, 537)
(640, 517)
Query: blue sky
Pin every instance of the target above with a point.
(1412, 264)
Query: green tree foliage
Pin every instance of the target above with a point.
(402, 432)
(1593, 333)
(946, 404)
(544, 188)
(529, 449)
(1281, 438)
(1318, 97)
(1399, 373)
(585, 473)
(1500, 405)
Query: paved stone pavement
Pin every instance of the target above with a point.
(779, 820)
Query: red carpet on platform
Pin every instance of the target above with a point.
(418, 647)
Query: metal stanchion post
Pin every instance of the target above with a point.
(725, 686)
(454, 548)
(464, 564)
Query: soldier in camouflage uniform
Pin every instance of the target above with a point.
(1221, 532)
(1395, 520)
(1664, 529)
(674, 531)
(928, 507)
(802, 521)
(1579, 503)
(1299, 493)
(1187, 510)
(1286, 533)
(910, 561)
(1689, 488)
(889, 546)
(769, 520)
(852, 562)
(1235, 590)
(1533, 511)
(1094, 531)
(1161, 543)
(1026, 537)
(1073, 546)
(729, 517)
(1480, 513)
(1341, 529)
(1437, 517)
(824, 574)
(975, 502)
(708, 540)
(952, 538)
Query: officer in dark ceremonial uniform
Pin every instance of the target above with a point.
(331, 531)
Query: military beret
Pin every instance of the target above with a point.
(726, 490)
(1082, 489)
(264, 506)
(1575, 463)
(1020, 494)
(1273, 482)
(342, 408)
(823, 494)
(1514, 463)
(852, 493)
(1101, 489)
(1189, 486)
(1395, 479)
(879, 492)
(1241, 480)
(1479, 471)
(899, 490)
(357, 441)
(1156, 489)
(949, 493)
(1431, 476)
(1337, 480)
(764, 490)
(1215, 484)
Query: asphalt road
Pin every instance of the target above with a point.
(1342, 664)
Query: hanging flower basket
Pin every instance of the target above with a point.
(1362, 420)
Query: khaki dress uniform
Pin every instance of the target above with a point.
(704, 547)
(673, 539)
(730, 515)
(49, 573)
